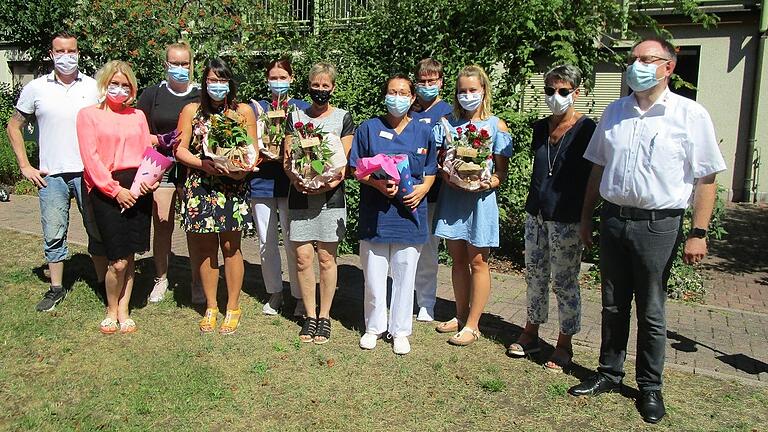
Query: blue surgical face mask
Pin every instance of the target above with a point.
(180, 74)
(217, 91)
(428, 93)
(470, 101)
(641, 76)
(398, 105)
(279, 87)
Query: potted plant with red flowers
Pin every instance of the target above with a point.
(313, 158)
(272, 128)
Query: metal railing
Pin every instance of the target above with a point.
(308, 14)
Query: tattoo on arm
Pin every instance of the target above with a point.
(21, 117)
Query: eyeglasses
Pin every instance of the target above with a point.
(399, 93)
(217, 80)
(427, 82)
(647, 59)
(178, 64)
(562, 91)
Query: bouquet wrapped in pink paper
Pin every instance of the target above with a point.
(150, 171)
(395, 167)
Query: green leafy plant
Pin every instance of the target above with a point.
(313, 157)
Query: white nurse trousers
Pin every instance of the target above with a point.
(265, 212)
(426, 273)
(380, 260)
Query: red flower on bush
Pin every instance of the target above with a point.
(274, 104)
(459, 130)
(472, 128)
(310, 127)
(299, 125)
(285, 104)
(484, 133)
(477, 143)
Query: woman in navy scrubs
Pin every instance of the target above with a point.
(392, 230)
(269, 199)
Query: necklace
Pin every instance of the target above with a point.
(551, 142)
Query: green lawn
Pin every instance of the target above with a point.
(59, 373)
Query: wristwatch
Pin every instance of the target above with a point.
(697, 233)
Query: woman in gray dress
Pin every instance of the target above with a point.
(318, 216)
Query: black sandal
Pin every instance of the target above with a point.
(308, 330)
(323, 331)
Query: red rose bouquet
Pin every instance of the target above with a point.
(468, 158)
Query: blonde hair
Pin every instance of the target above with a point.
(479, 73)
(323, 69)
(105, 74)
(183, 45)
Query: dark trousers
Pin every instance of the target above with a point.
(635, 259)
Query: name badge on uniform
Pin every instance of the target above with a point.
(421, 151)
(426, 120)
(387, 135)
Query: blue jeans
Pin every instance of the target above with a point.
(55, 201)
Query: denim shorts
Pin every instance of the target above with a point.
(55, 201)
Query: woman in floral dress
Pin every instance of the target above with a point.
(215, 200)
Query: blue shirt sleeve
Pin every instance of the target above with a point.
(430, 165)
(359, 145)
(438, 134)
(502, 144)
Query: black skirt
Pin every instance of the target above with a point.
(127, 233)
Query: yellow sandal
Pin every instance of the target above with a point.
(208, 323)
(231, 322)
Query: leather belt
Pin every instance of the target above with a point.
(633, 213)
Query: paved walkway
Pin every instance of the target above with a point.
(726, 339)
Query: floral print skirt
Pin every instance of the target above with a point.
(214, 204)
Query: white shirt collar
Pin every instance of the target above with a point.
(658, 107)
(190, 87)
(52, 77)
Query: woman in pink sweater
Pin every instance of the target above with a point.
(112, 138)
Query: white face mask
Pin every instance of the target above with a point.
(470, 101)
(559, 104)
(65, 64)
(117, 94)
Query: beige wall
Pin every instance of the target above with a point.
(725, 88)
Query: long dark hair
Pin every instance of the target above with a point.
(222, 70)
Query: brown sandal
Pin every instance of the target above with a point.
(558, 362)
(451, 326)
(465, 337)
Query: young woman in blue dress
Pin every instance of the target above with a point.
(393, 229)
(469, 220)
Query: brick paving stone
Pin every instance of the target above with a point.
(696, 332)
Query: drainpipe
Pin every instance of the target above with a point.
(761, 47)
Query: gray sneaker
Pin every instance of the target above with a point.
(51, 298)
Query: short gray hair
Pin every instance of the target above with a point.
(323, 69)
(566, 73)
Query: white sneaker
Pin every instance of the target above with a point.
(401, 345)
(158, 292)
(197, 296)
(300, 310)
(273, 305)
(425, 315)
(368, 341)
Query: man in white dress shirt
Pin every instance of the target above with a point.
(652, 151)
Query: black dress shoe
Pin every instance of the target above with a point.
(593, 386)
(651, 405)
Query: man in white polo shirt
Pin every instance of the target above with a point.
(54, 100)
(652, 151)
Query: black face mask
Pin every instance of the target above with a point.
(320, 97)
